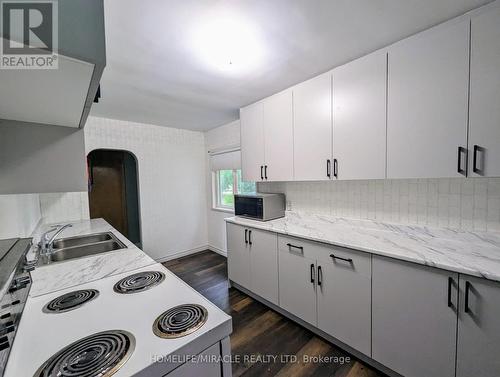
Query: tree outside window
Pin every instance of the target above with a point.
(228, 183)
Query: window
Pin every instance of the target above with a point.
(226, 184)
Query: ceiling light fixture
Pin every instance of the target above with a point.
(228, 43)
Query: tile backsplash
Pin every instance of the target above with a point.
(459, 203)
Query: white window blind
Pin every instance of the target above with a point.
(230, 160)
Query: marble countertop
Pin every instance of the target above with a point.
(472, 253)
(53, 277)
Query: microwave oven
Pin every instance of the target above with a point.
(258, 206)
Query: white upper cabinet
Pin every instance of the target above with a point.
(252, 142)
(359, 127)
(278, 137)
(484, 123)
(312, 107)
(427, 103)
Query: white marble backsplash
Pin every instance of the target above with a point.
(458, 203)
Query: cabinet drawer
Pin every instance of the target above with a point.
(298, 246)
(358, 261)
(322, 253)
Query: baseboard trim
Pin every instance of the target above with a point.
(181, 254)
(217, 250)
(358, 355)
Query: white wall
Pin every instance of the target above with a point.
(172, 182)
(64, 207)
(19, 215)
(221, 137)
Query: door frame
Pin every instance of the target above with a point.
(138, 181)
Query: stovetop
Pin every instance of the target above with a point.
(101, 354)
(166, 307)
(70, 301)
(139, 282)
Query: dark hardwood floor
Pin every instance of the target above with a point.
(259, 331)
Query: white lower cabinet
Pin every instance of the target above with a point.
(478, 328)
(344, 297)
(297, 285)
(264, 264)
(328, 287)
(238, 255)
(253, 260)
(414, 318)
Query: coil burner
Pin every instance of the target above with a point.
(180, 321)
(101, 354)
(139, 282)
(70, 301)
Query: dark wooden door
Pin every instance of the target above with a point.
(107, 193)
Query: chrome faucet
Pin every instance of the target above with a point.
(46, 244)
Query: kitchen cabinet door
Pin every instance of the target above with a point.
(484, 126)
(414, 318)
(264, 264)
(344, 297)
(478, 328)
(359, 126)
(312, 107)
(238, 256)
(297, 285)
(427, 103)
(252, 142)
(278, 137)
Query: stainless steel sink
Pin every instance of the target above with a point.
(82, 240)
(85, 250)
(82, 246)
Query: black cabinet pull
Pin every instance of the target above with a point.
(246, 233)
(290, 246)
(475, 169)
(261, 172)
(7, 328)
(320, 276)
(265, 171)
(344, 259)
(312, 273)
(450, 283)
(249, 237)
(328, 174)
(468, 286)
(4, 343)
(462, 150)
(335, 168)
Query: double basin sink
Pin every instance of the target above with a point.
(83, 246)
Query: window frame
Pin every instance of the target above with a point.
(216, 191)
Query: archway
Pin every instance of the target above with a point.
(114, 191)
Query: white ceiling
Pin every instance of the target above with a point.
(155, 75)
